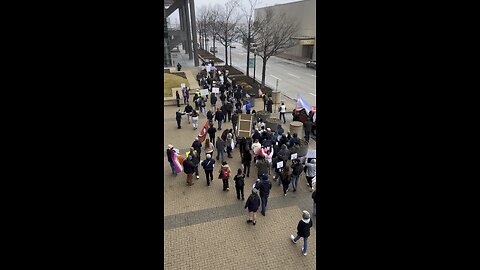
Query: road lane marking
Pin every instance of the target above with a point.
(275, 77)
(293, 75)
(313, 94)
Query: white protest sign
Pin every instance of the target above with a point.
(204, 92)
(294, 156)
(183, 85)
(312, 153)
(279, 164)
(215, 90)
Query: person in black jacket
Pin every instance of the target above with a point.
(229, 110)
(189, 169)
(208, 165)
(195, 159)
(239, 183)
(253, 202)
(219, 116)
(246, 161)
(177, 97)
(213, 101)
(314, 197)
(178, 117)
(211, 132)
(169, 158)
(264, 187)
(197, 146)
(303, 230)
(188, 109)
(210, 117)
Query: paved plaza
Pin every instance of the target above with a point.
(205, 227)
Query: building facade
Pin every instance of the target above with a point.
(304, 12)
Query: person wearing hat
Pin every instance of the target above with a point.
(303, 230)
(197, 145)
(189, 169)
(224, 174)
(170, 160)
(311, 172)
(195, 159)
(208, 165)
(264, 187)
(252, 203)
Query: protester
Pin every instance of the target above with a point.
(208, 165)
(246, 161)
(194, 119)
(210, 117)
(310, 172)
(177, 97)
(178, 117)
(203, 105)
(196, 101)
(264, 187)
(303, 230)
(219, 116)
(229, 141)
(308, 128)
(185, 96)
(314, 208)
(239, 183)
(256, 146)
(224, 174)
(297, 169)
(208, 147)
(285, 178)
(195, 159)
(211, 132)
(189, 169)
(229, 110)
(248, 106)
(269, 105)
(264, 97)
(283, 110)
(170, 160)
(188, 110)
(213, 101)
(253, 203)
(223, 108)
(220, 144)
(235, 122)
(197, 145)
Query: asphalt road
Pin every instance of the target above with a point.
(293, 77)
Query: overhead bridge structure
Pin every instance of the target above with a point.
(186, 35)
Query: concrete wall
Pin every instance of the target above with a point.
(304, 12)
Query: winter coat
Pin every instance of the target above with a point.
(285, 178)
(284, 153)
(208, 164)
(213, 99)
(169, 155)
(219, 116)
(224, 172)
(188, 166)
(311, 170)
(188, 109)
(234, 118)
(248, 106)
(308, 125)
(303, 227)
(247, 158)
(197, 146)
(264, 187)
(209, 148)
(211, 131)
(210, 115)
(239, 180)
(224, 135)
(262, 166)
(297, 169)
(220, 145)
(252, 203)
(179, 115)
(195, 157)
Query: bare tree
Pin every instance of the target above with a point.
(227, 25)
(275, 35)
(250, 30)
(203, 14)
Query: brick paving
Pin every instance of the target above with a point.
(205, 227)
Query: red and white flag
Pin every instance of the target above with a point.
(203, 133)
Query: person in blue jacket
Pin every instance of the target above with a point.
(248, 106)
(208, 165)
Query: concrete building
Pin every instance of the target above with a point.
(186, 35)
(304, 12)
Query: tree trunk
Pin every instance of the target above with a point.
(226, 54)
(264, 69)
(248, 51)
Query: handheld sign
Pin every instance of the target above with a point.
(279, 164)
(215, 90)
(183, 85)
(312, 153)
(204, 92)
(294, 156)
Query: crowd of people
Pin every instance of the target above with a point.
(270, 151)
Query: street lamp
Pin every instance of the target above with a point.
(231, 47)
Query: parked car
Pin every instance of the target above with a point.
(312, 64)
(213, 50)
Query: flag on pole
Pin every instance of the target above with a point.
(203, 133)
(302, 103)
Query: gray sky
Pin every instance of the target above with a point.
(263, 3)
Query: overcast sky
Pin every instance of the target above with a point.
(198, 3)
